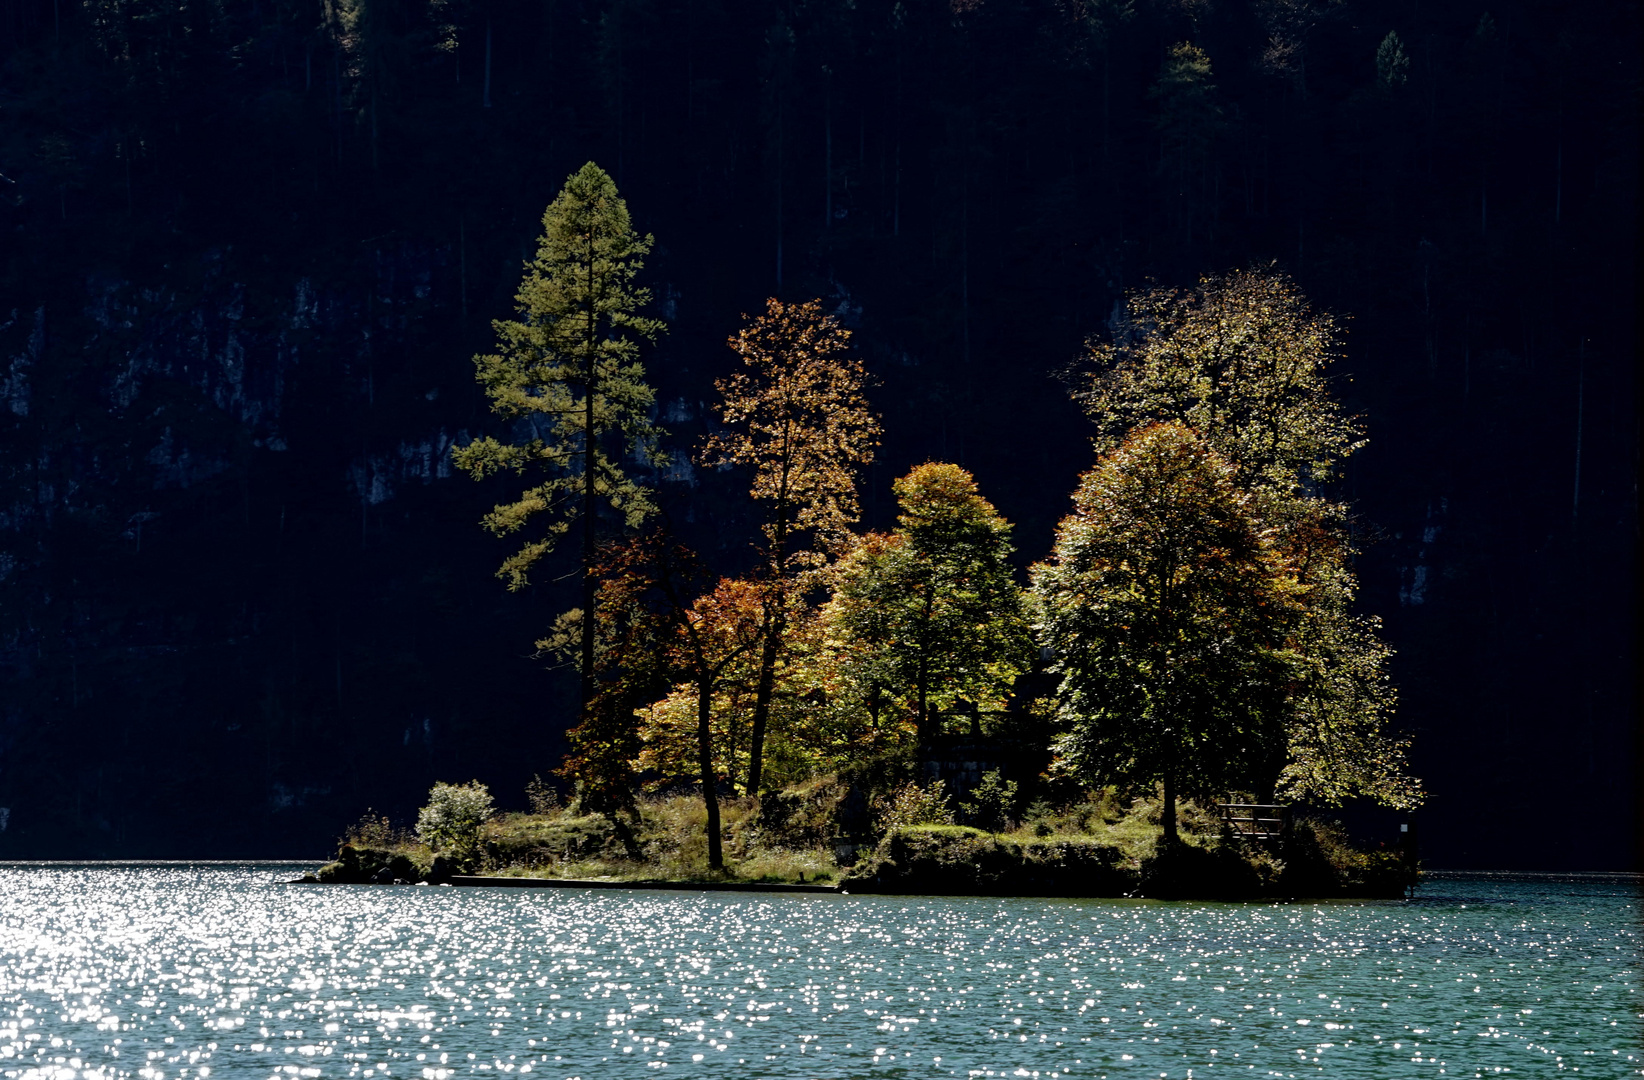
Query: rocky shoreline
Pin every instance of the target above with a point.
(961, 861)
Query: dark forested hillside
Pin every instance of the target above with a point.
(250, 246)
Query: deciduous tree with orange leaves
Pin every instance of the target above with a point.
(658, 628)
(797, 415)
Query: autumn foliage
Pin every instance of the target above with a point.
(797, 416)
(1194, 619)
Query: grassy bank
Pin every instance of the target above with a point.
(839, 830)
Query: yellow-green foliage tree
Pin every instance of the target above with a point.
(1167, 607)
(930, 613)
(1242, 360)
(1245, 363)
(817, 723)
(798, 417)
(567, 375)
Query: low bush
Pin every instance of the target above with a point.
(542, 796)
(911, 805)
(992, 803)
(451, 821)
(804, 816)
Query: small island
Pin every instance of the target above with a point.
(873, 830)
(896, 711)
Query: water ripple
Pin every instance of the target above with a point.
(166, 973)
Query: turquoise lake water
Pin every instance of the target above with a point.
(220, 971)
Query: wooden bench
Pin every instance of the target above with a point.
(1256, 821)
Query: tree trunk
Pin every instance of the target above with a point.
(485, 99)
(1581, 400)
(827, 157)
(922, 722)
(779, 188)
(705, 759)
(1168, 817)
(588, 584)
(588, 496)
(763, 693)
(775, 627)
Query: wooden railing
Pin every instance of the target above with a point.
(1257, 821)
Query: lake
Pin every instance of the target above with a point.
(214, 970)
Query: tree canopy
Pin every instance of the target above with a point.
(1244, 363)
(797, 415)
(931, 612)
(1243, 360)
(569, 370)
(1166, 606)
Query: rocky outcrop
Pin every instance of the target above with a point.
(371, 866)
(952, 860)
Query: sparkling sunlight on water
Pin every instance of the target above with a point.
(214, 971)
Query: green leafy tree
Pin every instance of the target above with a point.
(1244, 361)
(797, 415)
(568, 374)
(932, 606)
(1336, 746)
(1167, 607)
(992, 802)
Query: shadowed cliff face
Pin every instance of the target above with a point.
(243, 597)
(242, 587)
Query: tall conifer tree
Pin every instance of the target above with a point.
(567, 374)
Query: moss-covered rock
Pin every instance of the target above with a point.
(956, 860)
(1181, 871)
(370, 866)
(533, 841)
